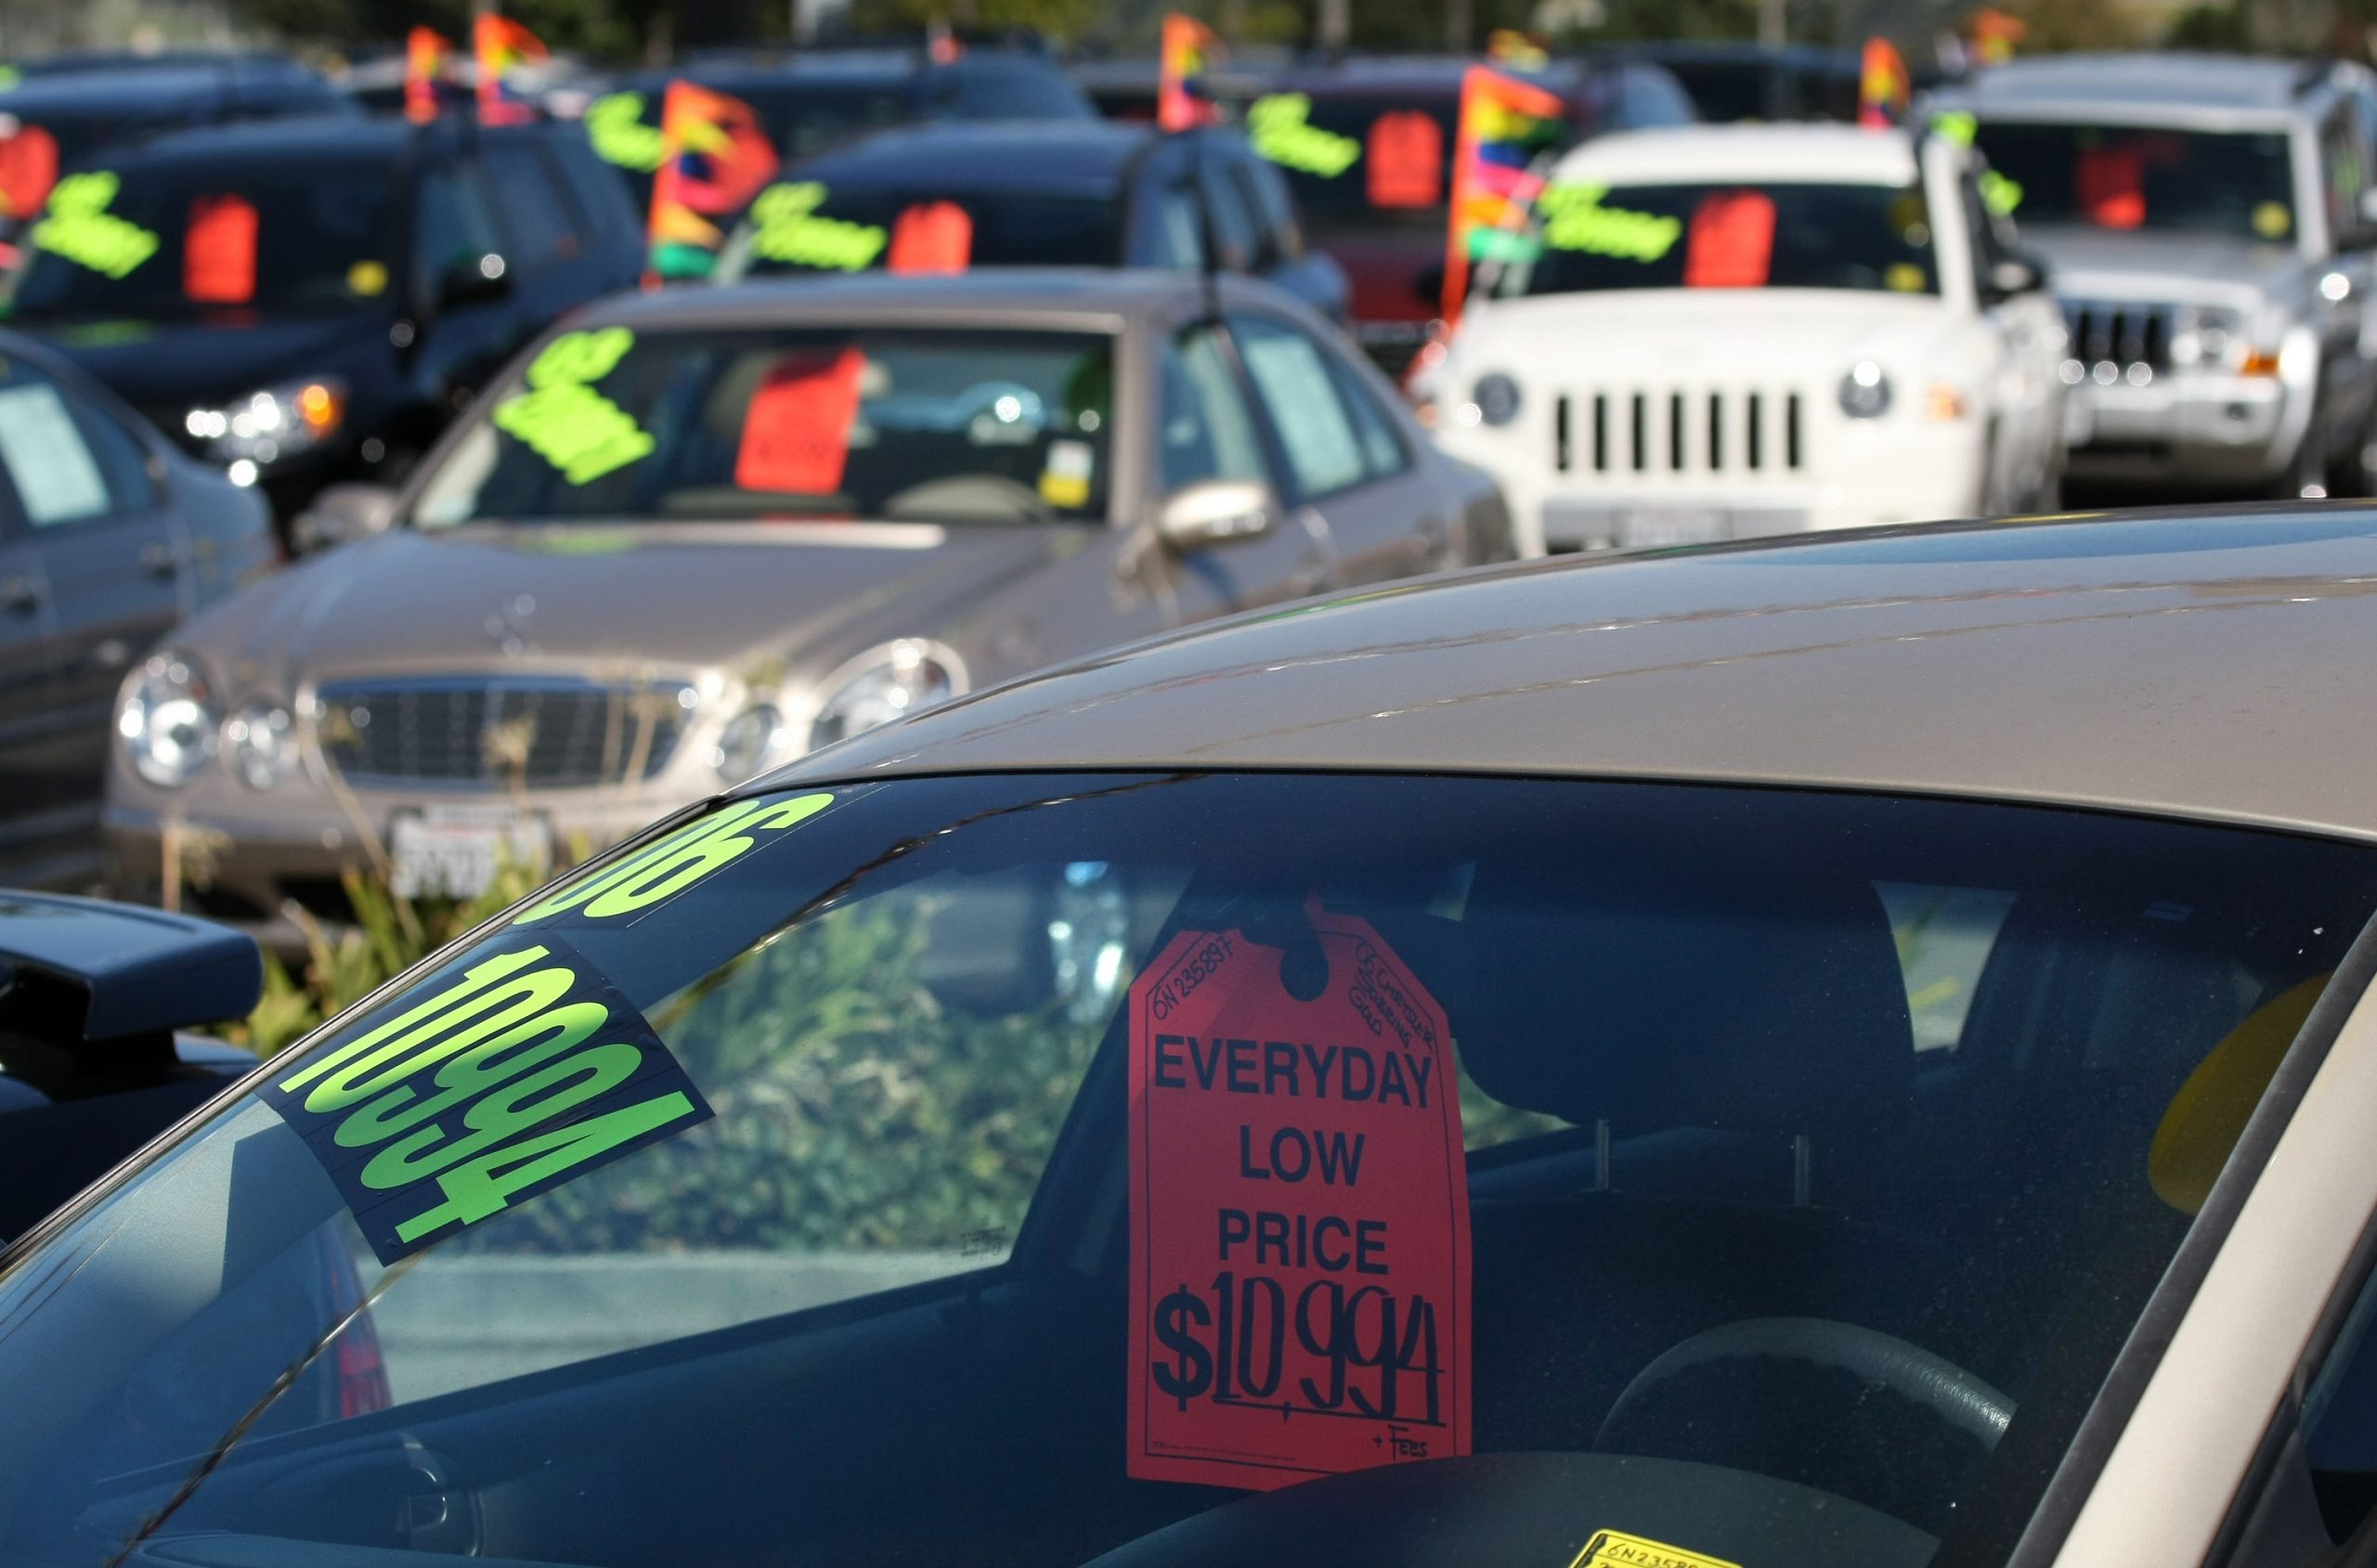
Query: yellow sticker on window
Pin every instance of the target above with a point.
(788, 228)
(562, 418)
(1957, 126)
(1574, 219)
(1999, 194)
(1280, 125)
(79, 228)
(1612, 1548)
(614, 124)
(367, 277)
(1903, 277)
(2272, 220)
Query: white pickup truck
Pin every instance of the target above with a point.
(1722, 332)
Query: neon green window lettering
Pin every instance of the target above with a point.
(574, 428)
(79, 228)
(1957, 127)
(582, 357)
(474, 980)
(509, 1109)
(482, 1188)
(1281, 128)
(475, 1072)
(789, 229)
(1575, 220)
(681, 860)
(1999, 194)
(614, 124)
(442, 1037)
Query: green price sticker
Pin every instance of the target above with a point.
(787, 228)
(562, 418)
(1574, 219)
(1280, 127)
(506, 1078)
(614, 124)
(661, 871)
(78, 226)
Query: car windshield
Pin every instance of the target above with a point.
(804, 227)
(1585, 237)
(1019, 1169)
(296, 236)
(1361, 161)
(924, 424)
(2237, 183)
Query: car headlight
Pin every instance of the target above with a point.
(753, 741)
(270, 424)
(891, 682)
(2213, 336)
(167, 720)
(1495, 401)
(261, 744)
(1866, 391)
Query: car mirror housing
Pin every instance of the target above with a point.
(1215, 511)
(475, 280)
(344, 513)
(84, 973)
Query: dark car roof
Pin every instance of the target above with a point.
(1684, 51)
(989, 155)
(1383, 75)
(2207, 664)
(333, 136)
(856, 67)
(1092, 295)
(158, 91)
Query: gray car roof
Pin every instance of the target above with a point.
(2212, 665)
(2229, 82)
(1094, 296)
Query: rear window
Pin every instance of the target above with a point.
(1199, 1168)
(811, 228)
(800, 115)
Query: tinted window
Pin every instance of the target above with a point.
(1268, 195)
(284, 236)
(675, 1198)
(921, 425)
(1338, 152)
(1009, 92)
(594, 193)
(2128, 177)
(1208, 431)
(1234, 231)
(67, 461)
(1179, 228)
(1586, 237)
(452, 226)
(1292, 374)
(538, 229)
(809, 228)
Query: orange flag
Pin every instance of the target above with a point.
(1505, 125)
(1182, 98)
(425, 57)
(499, 43)
(1883, 87)
(714, 158)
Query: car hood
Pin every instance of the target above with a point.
(676, 598)
(155, 365)
(1728, 334)
(2092, 264)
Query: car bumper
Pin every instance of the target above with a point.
(2190, 428)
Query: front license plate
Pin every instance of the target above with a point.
(1653, 527)
(454, 851)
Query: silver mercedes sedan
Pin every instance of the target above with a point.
(693, 536)
(1853, 1054)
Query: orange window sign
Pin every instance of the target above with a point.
(1732, 242)
(219, 251)
(2111, 182)
(1406, 160)
(932, 237)
(796, 432)
(28, 168)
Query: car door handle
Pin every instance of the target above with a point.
(19, 596)
(160, 559)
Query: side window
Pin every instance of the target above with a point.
(597, 192)
(539, 230)
(1233, 224)
(450, 225)
(2340, 1423)
(1292, 376)
(1268, 252)
(66, 465)
(1944, 937)
(1270, 196)
(2341, 174)
(1208, 432)
(1012, 95)
(1180, 229)
(1382, 449)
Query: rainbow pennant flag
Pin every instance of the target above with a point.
(425, 57)
(714, 158)
(498, 45)
(1182, 99)
(1884, 89)
(1506, 124)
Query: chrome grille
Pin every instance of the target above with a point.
(1697, 433)
(2112, 340)
(500, 733)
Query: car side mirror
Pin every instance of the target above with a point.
(85, 975)
(1215, 511)
(2012, 276)
(344, 513)
(474, 280)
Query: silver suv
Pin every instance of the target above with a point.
(2210, 224)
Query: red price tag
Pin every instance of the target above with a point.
(28, 168)
(219, 251)
(1732, 242)
(1406, 160)
(796, 432)
(932, 237)
(2111, 182)
(1299, 1213)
